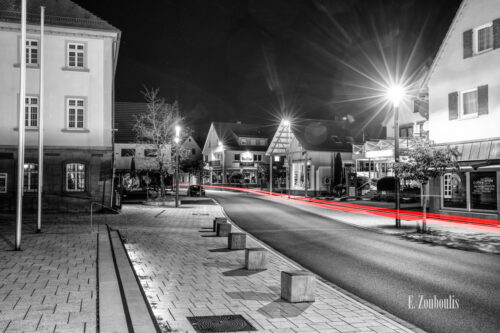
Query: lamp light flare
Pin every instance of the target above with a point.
(286, 122)
(177, 130)
(395, 94)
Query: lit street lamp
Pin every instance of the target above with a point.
(177, 140)
(395, 94)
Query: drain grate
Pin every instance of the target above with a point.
(212, 324)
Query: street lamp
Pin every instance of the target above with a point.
(288, 183)
(221, 148)
(177, 140)
(395, 94)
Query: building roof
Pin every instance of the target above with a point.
(124, 120)
(313, 135)
(63, 13)
(229, 133)
(481, 150)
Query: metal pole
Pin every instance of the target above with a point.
(271, 174)
(223, 179)
(396, 160)
(177, 178)
(40, 124)
(20, 151)
(305, 174)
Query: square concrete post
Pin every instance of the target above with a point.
(297, 286)
(236, 240)
(219, 219)
(255, 258)
(223, 229)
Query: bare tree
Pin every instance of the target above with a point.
(426, 162)
(157, 128)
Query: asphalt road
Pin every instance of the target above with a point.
(386, 270)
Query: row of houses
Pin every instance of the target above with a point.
(458, 106)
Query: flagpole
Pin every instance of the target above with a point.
(20, 153)
(40, 123)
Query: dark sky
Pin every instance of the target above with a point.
(253, 60)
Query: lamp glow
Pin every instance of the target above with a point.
(286, 122)
(395, 94)
(177, 130)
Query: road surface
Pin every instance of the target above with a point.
(398, 275)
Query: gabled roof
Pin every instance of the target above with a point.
(124, 120)
(229, 133)
(458, 15)
(312, 135)
(63, 13)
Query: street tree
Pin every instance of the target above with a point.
(156, 127)
(424, 163)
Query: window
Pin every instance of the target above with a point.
(406, 132)
(31, 112)
(130, 152)
(454, 190)
(468, 103)
(483, 190)
(236, 157)
(76, 113)
(75, 177)
(253, 142)
(3, 183)
(243, 141)
(483, 38)
(31, 52)
(193, 151)
(30, 177)
(147, 153)
(76, 55)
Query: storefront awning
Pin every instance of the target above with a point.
(486, 151)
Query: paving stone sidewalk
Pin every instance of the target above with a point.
(186, 271)
(49, 286)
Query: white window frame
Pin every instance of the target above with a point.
(476, 38)
(77, 108)
(461, 104)
(82, 51)
(243, 141)
(29, 186)
(447, 186)
(29, 51)
(3, 176)
(28, 112)
(83, 175)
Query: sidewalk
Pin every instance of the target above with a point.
(49, 286)
(186, 271)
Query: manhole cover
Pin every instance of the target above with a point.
(229, 323)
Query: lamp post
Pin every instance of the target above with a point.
(177, 140)
(288, 182)
(395, 94)
(223, 168)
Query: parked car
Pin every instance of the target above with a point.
(195, 191)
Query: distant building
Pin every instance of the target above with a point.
(464, 111)
(234, 153)
(192, 159)
(308, 148)
(81, 52)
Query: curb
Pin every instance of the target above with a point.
(402, 324)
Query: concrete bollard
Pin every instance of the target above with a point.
(297, 286)
(218, 219)
(236, 240)
(223, 229)
(255, 258)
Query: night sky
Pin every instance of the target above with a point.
(255, 60)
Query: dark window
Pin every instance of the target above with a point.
(129, 152)
(406, 132)
(193, 151)
(236, 157)
(30, 177)
(75, 177)
(483, 190)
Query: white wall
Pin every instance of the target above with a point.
(454, 73)
(94, 85)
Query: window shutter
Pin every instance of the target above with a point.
(453, 105)
(467, 44)
(496, 33)
(482, 97)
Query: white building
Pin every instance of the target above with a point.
(464, 110)
(81, 52)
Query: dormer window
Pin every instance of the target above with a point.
(243, 141)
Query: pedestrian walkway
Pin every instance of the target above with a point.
(49, 286)
(186, 271)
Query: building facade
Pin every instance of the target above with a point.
(81, 53)
(309, 148)
(464, 111)
(234, 153)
